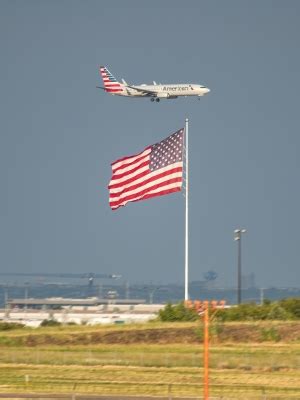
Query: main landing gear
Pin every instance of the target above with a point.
(157, 99)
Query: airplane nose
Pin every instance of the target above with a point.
(207, 90)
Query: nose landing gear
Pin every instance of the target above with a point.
(157, 99)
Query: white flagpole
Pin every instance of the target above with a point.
(186, 269)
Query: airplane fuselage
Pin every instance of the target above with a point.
(154, 92)
(164, 91)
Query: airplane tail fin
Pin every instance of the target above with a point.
(111, 85)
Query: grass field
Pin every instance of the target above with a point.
(29, 362)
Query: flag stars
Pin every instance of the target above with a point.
(167, 152)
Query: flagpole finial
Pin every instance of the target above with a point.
(186, 120)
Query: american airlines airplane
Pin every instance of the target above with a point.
(154, 92)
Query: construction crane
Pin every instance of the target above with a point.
(89, 275)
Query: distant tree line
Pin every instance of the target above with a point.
(177, 312)
(8, 326)
(285, 309)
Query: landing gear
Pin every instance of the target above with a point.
(152, 99)
(157, 99)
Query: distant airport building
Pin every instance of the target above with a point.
(32, 311)
(60, 303)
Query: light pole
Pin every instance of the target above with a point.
(238, 238)
(262, 296)
(6, 301)
(151, 290)
(151, 294)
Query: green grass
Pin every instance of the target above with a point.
(151, 369)
(246, 357)
(240, 370)
(143, 380)
(154, 332)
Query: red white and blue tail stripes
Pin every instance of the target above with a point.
(111, 85)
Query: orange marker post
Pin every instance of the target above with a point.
(203, 309)
(206, 350)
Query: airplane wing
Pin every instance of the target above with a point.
(146, 91)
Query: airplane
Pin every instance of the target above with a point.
(155, 92)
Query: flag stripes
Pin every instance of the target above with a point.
(156, 171)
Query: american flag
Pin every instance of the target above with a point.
(156, 171)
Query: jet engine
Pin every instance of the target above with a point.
(166, 96)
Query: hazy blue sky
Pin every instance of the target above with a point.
(59, 134)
